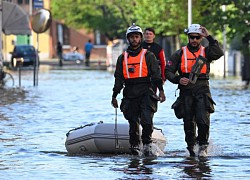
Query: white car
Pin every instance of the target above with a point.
(73, 56)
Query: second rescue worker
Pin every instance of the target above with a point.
(148, 43)
(192, 62)
(136, 70)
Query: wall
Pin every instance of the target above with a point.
(233, 65)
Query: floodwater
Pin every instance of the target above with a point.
(34, 122)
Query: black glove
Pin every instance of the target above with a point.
(114, 102)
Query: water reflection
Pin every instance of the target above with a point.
(11, 95)
(140, 165)
(34, 122)
(196, 168)
(3, 117)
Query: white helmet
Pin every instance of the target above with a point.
(193, 28)
(133, 29)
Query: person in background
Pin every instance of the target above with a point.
(88, 48)
(192, 62)
(136, 70)
(148, 43)
(59, 51)
(75, 49)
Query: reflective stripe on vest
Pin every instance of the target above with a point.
(188, 59)
(137, 65)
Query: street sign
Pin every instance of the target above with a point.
(37, 4)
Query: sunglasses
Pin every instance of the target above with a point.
(195, 37)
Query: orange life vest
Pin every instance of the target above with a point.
(188, 59)
(135, 67)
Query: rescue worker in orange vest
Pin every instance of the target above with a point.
(192, 62)
(136, 70)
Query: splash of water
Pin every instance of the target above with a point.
(155, 149)
(212, 150)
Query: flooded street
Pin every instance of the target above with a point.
(34, 122)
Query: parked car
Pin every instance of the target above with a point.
(27, 52)
(73, 56)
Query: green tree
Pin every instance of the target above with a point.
(168, 17)
(112, 17)
(236, 17)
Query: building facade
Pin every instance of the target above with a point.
(46, 42)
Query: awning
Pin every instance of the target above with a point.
(15, 20)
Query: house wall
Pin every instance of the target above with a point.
(233, 65)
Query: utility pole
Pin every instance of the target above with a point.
(30, 13)
(224, 42)
(189, 12)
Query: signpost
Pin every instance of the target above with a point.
(40, 22)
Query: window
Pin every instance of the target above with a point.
(66, 35)
(99, 38)
(20, 1)
(63, 34)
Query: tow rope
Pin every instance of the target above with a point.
(116, 131)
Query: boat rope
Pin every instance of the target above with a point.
(91, 124)
(158, 129)
(116, 132)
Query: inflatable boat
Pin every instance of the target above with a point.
(105, 138)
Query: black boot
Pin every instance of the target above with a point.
(147, 150)
(134, 150)
(191, 151)
(203, 150)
